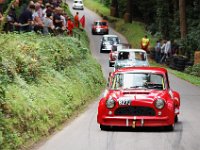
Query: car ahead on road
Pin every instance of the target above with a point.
(139, 97)
(78, 4)
(114, 52)
(107, 41)
(100, 27)
(131, 58)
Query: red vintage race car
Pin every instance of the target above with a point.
(114, 51)
(139, 97)
(100, 27)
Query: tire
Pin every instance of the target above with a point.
(104, 128)
(93, 33)
(176, 119)
(110, 64)
(101, 50)
(169, 128)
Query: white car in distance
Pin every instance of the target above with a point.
(131, 58)
(78, 4)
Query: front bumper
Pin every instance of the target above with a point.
(100, 31)
(135, 121)
(78, 7)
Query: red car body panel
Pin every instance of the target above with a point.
(113, 53)
(100, 27)
(142, 100)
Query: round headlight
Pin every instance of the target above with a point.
(159, 103)
(110, 103)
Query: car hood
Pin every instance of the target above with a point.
(131, 63)
(137, 95)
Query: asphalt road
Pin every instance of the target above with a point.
(83, 133)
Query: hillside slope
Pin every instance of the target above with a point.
(43, 81)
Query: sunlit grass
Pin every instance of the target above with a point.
(97, 7)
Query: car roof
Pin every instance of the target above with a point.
(142, 69)
(78, 0)
(110, 35)
(132, 50)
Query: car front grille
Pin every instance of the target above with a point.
(135, 111)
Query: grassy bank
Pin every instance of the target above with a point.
(44, 80)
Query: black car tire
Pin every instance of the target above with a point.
(104, 128)
(110, 64)
(93, 33)
(169, 128)
(176, 119)
(101, 50)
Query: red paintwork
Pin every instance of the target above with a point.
(141, 97)
(101, 26)
(111, 55)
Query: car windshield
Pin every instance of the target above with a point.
(100, 23)
(141, 56)
(78, 2)
(112, 40)
(138, 81)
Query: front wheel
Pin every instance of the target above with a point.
(111, 64)
(104, 128)
(176, 119)
(169, 128)
(101, 51)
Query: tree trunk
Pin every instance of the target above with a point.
(114, 8)
(128, 15)
(182, 13)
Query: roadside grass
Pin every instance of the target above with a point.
(44, 81)
(97, 7)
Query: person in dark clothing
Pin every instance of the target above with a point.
(57, 21)
(26, 18)
(12, 21)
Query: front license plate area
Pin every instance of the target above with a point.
(124, 102)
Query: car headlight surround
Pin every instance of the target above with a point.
(110, 103)
(159, 103)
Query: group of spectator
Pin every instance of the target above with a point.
(41, 16)
(165, 49)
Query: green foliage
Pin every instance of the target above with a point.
(44, 80)
(193, 70)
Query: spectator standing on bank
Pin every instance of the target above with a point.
(76, 20)
(70, 26)
(157, 51)
(48, 23)
(38, 17)
(145, 43)
(57, 21)
(166, 50)
(26, 18)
